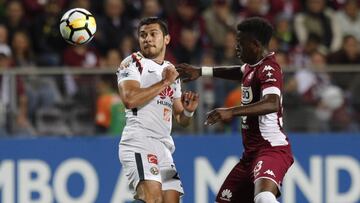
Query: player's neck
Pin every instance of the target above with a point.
(160, 58)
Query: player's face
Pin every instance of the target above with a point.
(248, 49)
(152, 40)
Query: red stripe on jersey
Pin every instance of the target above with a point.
(136, 58)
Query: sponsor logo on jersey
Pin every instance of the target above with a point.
(268, 68)
(226, 195)
(247, 95)
(167, 92)
(164, 103)
(270, 172)
(152, 158)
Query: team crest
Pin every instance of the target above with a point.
(154, 170)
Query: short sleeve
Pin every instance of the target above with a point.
(127, 71)
(270, 77)
(177, 88)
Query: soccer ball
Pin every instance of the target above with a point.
(77, 26)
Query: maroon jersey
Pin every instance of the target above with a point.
(265, 131)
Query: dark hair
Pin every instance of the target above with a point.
(154, 20)
(258, 28)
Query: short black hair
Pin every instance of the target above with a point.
(257, 27)
(154, 20)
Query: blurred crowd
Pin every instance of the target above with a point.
(309, 36)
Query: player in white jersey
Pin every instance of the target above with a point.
(152, 95)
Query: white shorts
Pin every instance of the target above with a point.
(149, 159)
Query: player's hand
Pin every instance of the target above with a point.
(190, 100)
(169, 74)
(219, 114)
(188, 72)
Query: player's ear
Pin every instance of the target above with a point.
(167, 39)
(257, 46)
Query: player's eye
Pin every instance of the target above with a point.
(143, 35)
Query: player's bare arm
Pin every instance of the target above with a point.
(184, 107)
(269, 104)
(189, 73)
(133, 95)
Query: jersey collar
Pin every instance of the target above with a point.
(270, 54)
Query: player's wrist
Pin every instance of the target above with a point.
(188, 113)
(165, 82)
(207, 71)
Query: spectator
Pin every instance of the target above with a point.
(34, 8)
(107, 100)
(113, 26)
(23, 52)
(231, 100)
(127, 45)
(47, 40)
(348, 54)
(284, 32)
(349, 19)
(228, 54)
(315, 89)
(187, 15)
(4, 35)
(319, 20)
(15, 18)
(41, 91)
(256, 8)
(20, 124)
(300, 56)
(188, 50)
(111, 60)
(152, 8)
(219, 20)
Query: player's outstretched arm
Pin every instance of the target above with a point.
(269, 104)
(185, 107)
(189, 73)
(132, 95)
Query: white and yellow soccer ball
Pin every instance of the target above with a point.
(77, 26)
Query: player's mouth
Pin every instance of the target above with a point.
(148, 46)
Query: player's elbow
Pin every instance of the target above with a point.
(130, 104)
(271, 107)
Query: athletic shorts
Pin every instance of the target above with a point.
(149, 159)
(270, 163)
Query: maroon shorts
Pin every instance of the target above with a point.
(269, 163)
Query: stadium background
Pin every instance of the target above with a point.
(61, 118)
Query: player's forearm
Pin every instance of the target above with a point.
(222, 72)
(256, 109)
(141, 96)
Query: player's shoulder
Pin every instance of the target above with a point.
(167, 63)
(132, 59)
(269, 63)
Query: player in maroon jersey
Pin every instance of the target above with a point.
(267, 154)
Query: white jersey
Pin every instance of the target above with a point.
(153, 119)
